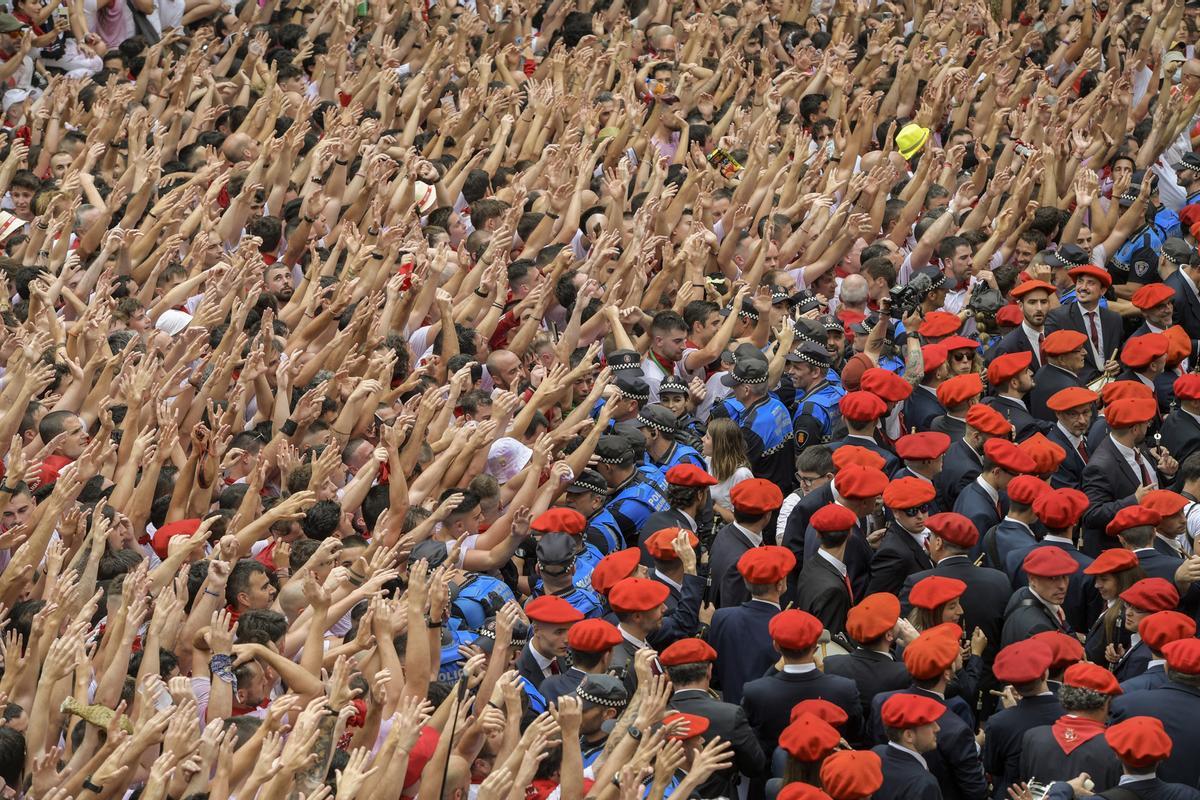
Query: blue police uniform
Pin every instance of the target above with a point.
(479, 598)
(603, 532)
(679, 454)
(893, 364)
(1149, 237)
(818, 419)
(585, 601)
(537, 703)
(632, 504)
(654, 474)
(585, 562)
(768, 434)
(451, 663)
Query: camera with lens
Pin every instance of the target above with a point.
(908, 298)
(984, 299)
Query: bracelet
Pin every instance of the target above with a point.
(210, 591)
(221, 666)
(378, 256)
(88, 786)
(289, 427)
(481, 294)
(6, 489)
(43, 227)
(431, 623)
(341, 163)
(498, 305)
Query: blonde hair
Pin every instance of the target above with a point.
(728, 448)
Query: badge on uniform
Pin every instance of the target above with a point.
(1141, 268)
(801, 438)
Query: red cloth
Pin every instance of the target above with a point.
(51, 466)
(1072, 732)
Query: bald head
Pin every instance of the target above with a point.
(505, 369)
(239, 147)
(854, 290)
(291, 600)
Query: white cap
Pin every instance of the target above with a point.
(173, 321)
(506, 458)
(14, 96)
(426, 196)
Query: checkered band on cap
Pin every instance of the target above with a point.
(807, 359)
(591, 487)
(634, 395)
(651, 424)
(582, 694)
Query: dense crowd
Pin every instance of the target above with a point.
(614, 400)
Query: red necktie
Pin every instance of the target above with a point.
(1094, 331)
(1082, 448)
(554, 670)
(1137, 456)
(849, 588)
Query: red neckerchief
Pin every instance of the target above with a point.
(357, 721)
(1072, 732)
(664, 363)
(241, 711)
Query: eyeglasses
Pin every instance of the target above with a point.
(917, 510)
(807, 480)
(963, 355)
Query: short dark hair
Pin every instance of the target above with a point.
(239, 578)
(272, 624)
(687, 673)
(322, 519)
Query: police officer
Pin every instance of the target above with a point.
(633, 498)
(817, 419)
(572, 523)
(673, 393)
(765, 423)
(1137, 260)
(556, 566)
(587, 494)
(660, 428)
(602, 699)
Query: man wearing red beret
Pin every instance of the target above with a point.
(903, 550)
(689, 504)
(1134, 527)
(1073, 409)
(1034, 298)
(753, 500)
(1101, 325)
(1024, 668)
(862, 412)
(825, 588)
(964, 459)
(911, 724)
(985, 500)
(1181, 428)
(1065, 359)
(1011, 379)
(1121, 469)
(1145, 360)
(1039, 606)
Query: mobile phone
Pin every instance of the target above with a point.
(724, 163)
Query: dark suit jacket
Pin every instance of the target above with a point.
(1083, 603)
(683, 612)
(769, 700)
(1025, 423)
(1110, 484)
(1004, 538)
(904, 778)
(530, 671)
(823, 594)
(1148, 789)
(898, 556)
(739, 635)
(1187, 307)
(955, 763)
(797, 526)
(983, 601)
(872, 673)
(728, 587)
(1133, 663)
(921, 408)
(1043, 758)
(892, 461)
(1180, 434)
(1152, 678)
(857, 557)
(1005, 730)
(565, 683)
(1112, 331)
(728, 721)
(954, 428)
(671, 518)
(1015, 341)
(977, 505)
(1157, 564)
(1025, 616)
(960, 466)
(1070, 471)
(1046, 382)
(1177, 707)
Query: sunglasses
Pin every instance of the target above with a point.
(915, 510)
(963, 355)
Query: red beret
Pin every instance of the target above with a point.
(1132, 517)
(1064, 649)
(661, 544)
(1071, 397)
(1085, 675)
(885, 384)
(180, 527)
(1187, 386)
(1008, 456)
(986, 419)
(852, 774)
(1152, 294)
(1008, 366)
(849, 454)
(1091, 271)
(933, 356)
(756, 496)
(938, 324)
(861, 406)
(852, 372)
(1165, 502)
(794, 629)
(832, 517)
(1049, 562)
(904, 710)
(689, 475)
(1060, 509)
(1179, 345)
(687, 651)
(799, 790)
(873, 617)
(559, 520)
(1127, 413)
(693, 725)
(637, 594)
(1032, 286)
(1125, 390)
(809, 738)
(822, 709)
(593, 636)
(614, 568)
(1024, 489)
(1151, 594)
(954, 528)
(1163, 627)
(1183, 655)
(908, 493)
(1141, 350)
(1111, 561)
(766, 564)
(953, 343)
(1059, 343)
(959, 389)
(923, 446)
(552, 610)
(930, 654)
(1140, 742)
(859, 483)
(1022, 662)
(1046, 455)
(1009, 316)
(934, 591)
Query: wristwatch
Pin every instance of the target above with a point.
(634, 733)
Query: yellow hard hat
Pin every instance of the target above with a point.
(911, 138)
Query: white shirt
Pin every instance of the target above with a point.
(756, 539)
(542, 661)
(629, 637)
(1130, 456)
(1034, 336)
(1056, 611)
(799, 669)
(912, 753)
(1135, 777)
(660, 577)
(832, 559)
(1072, 438)
(987, 487)
(1097, 352)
